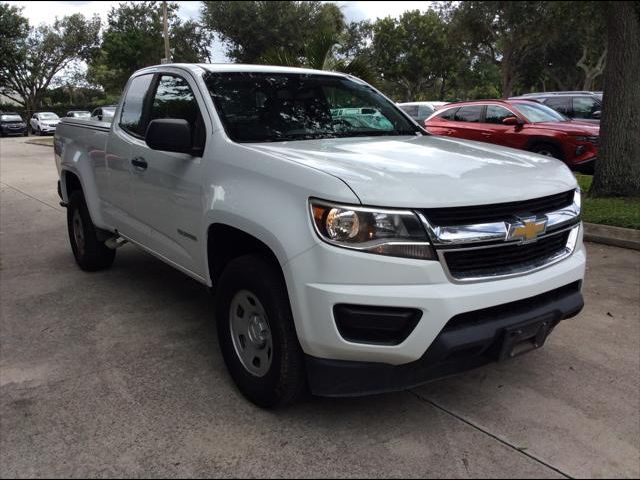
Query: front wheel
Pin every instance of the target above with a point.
(256, 332)
(90, 253)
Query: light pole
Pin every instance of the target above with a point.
(167, 57)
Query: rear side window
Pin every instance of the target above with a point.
(424, 111)
(448, 114)
(412, 110)
(559, 104)
(471, 114)
(133, 106)
(496, 114)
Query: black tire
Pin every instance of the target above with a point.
(90, 253)
(285, 380)
(548, 150)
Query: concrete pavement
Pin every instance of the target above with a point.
(118, 374)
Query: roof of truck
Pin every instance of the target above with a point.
(239, 67)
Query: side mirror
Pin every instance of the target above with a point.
(512, 121)
(169, 135)
(597, 114)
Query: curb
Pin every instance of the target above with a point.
(616, 236)
(41, 144)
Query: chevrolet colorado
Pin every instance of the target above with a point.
(348, 255)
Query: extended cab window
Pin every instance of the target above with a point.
(133, 106)
(175, 99)
(496, 114)
(471, 114)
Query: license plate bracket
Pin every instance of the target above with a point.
(524, 337)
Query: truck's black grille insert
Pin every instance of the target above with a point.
(486, 262)
(497, 212)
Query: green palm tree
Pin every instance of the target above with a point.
(319, 54)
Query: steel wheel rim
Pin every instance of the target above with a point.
(251, 333)
(78, 232)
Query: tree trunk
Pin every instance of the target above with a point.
(617, 171)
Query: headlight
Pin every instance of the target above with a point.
(397, 233)
(577, 200)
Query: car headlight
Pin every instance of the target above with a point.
(397, 233)
(577, 200)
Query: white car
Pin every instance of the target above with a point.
(104, 114)
(420, 111)
(347, 258)
(44, 122)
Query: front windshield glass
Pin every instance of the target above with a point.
(108, 111)
(81, 114)
(536, 113)
(273, 107)
(10, 118)
(48, 116)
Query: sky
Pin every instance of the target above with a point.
(45, 12)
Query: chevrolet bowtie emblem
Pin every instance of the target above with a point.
(527, 229)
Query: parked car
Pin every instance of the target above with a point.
(44, 122)
(522, 124)
(579, 105)
(78, 114)
(420, 111)
(11, 123)
(350, 259)
(104, 114)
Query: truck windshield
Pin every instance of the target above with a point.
(274, 107)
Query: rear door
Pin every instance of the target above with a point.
(467, 123)
(126, 133)
(167, 188)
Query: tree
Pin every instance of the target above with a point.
(319, 53)
(133, 39)
(39, 54)
(411, 53)
(251, 29)
(14, 28)
(508, 33)
(617, 171)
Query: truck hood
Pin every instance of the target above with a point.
(570, 128)
(428, 171)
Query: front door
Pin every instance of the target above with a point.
(166, 187)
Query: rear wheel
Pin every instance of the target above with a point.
(547, 150)
(90, 253)
(257, 334)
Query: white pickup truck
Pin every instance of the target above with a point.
(348, 255)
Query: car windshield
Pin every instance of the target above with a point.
(80, 114)
(10, 118)
(537, 113)
(48, 116)
(273, 107)
(108, 111)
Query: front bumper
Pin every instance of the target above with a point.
(14, 131)
(326, 276)
(467, 341)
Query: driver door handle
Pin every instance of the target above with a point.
(139, 163)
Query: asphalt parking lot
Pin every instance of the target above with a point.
(118, 374)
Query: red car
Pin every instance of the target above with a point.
(522, 124)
